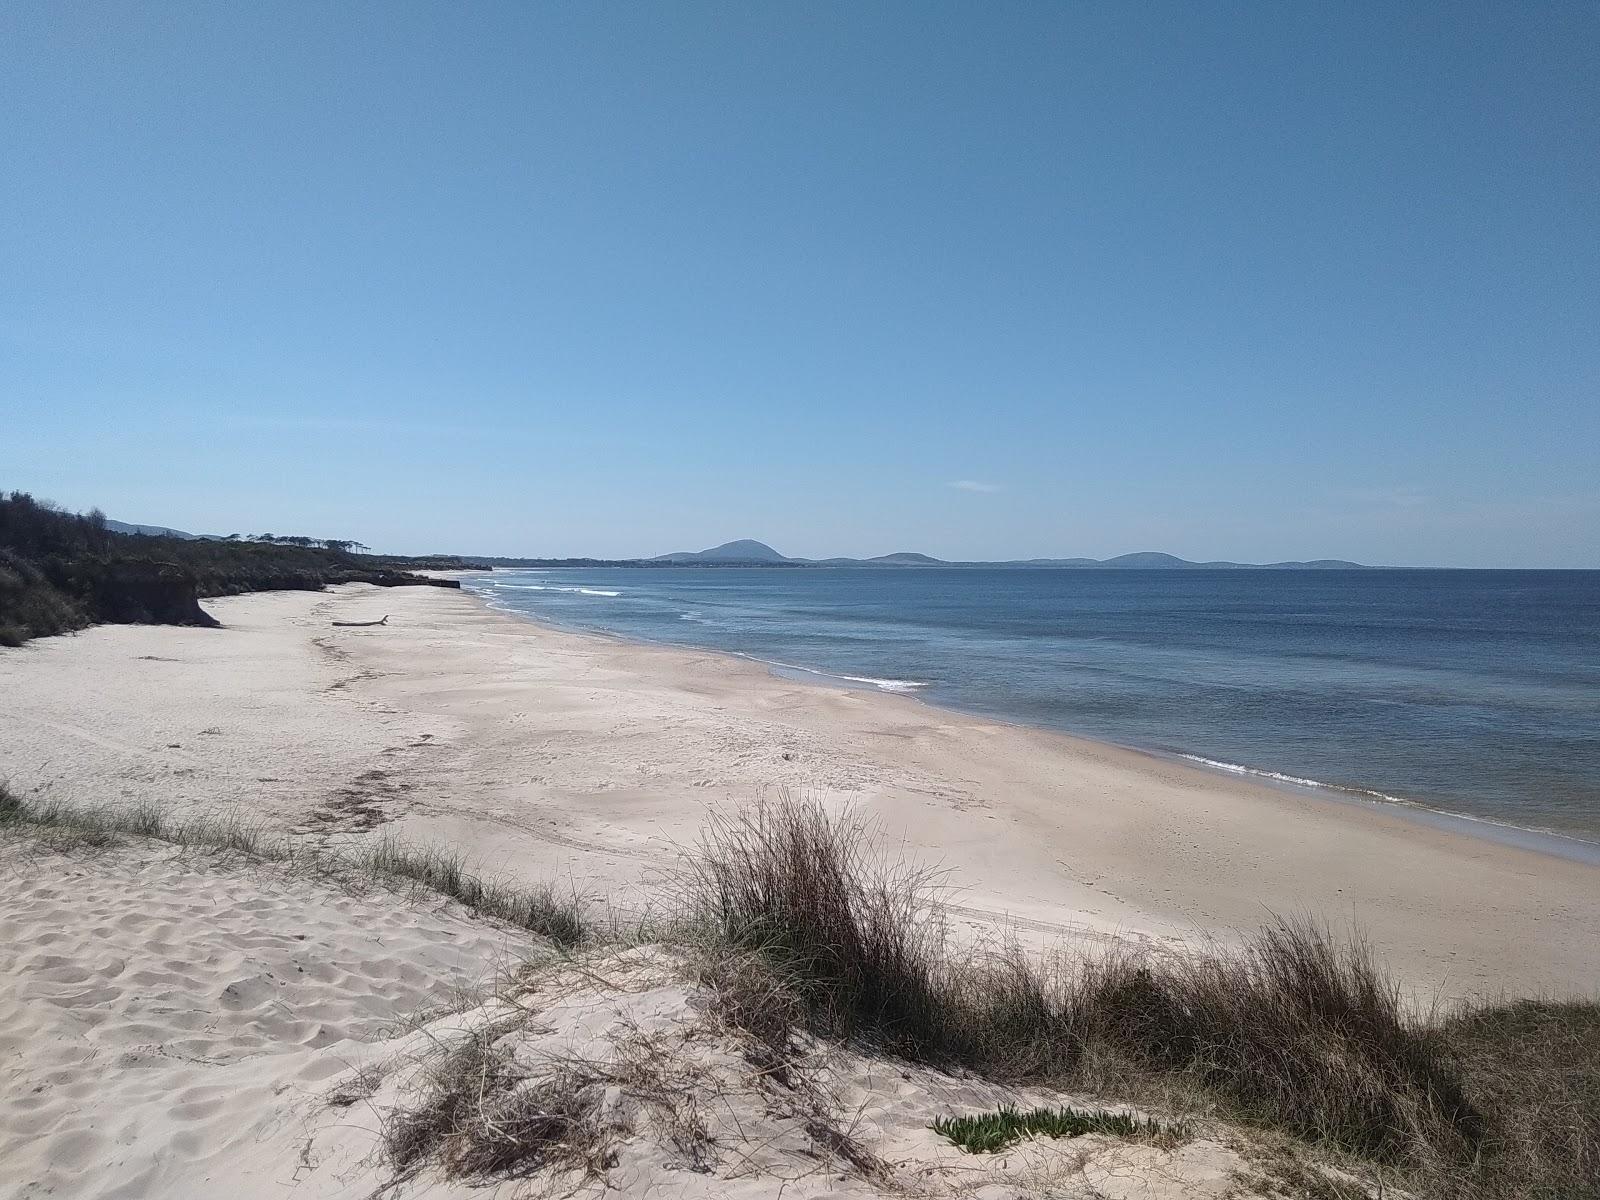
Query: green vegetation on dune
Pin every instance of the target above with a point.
(62, 571)
(988, 1133)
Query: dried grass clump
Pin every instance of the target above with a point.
(483, 1114)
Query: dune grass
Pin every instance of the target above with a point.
(1534, 1067)
(1297, 1031)
(798, 924)
(856, 941)
(991, 1132)
(540, 909)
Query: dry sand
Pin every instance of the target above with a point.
(165, 1017)
(550, 753)
(187, 1025)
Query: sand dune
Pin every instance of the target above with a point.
(168, 1018)
(191, 1025)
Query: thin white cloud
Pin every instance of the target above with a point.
(972, 485)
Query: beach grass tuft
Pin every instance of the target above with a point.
(1534, 1067)
(855, 938)
(539, 908)
(990, 1132)
(1297, 1030)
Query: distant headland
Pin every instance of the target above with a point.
(746, 552)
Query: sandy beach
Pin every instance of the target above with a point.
(553, 754)
(182, 1023)
(181, 1019)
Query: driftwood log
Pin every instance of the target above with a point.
(363, 624)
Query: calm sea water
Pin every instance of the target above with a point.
(1474, 692)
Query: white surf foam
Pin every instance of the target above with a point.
(555, 587)
(1370, 794)
(883, 685)
(1236, 769)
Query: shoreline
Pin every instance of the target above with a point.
(589, 759)
(1502, 833)
(1555, 843)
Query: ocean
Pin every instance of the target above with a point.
(1474, 693)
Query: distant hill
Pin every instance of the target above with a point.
(1152, 560)
(744, 550)
(751, 553)
(149, 530)
(747, 552)
(1148, 560)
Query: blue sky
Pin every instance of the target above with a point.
(1250, 281)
